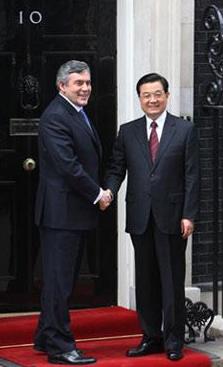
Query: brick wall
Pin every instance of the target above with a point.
(209, 122)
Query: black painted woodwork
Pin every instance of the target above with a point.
(36, 37)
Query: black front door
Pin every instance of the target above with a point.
(36, 37)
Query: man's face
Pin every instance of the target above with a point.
(153, 99)
(78, 88)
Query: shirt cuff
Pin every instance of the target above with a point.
(99, 196)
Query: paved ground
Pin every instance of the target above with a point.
(213, 348)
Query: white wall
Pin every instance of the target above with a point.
(126, 100)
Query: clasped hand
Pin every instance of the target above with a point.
(187, 228)
(106, 199)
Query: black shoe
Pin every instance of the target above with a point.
(40, 348)
(147, 346)
(174, 355)
(73, 357)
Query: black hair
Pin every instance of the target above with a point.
(151, 78)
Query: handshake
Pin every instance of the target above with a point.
(106, 199)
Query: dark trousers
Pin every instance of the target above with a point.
(160, 275)
(61, 259)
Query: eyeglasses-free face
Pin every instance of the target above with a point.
(77, 88)
(153, 99)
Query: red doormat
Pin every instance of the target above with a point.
(105, 333)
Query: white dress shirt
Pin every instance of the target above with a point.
(160, 124)
(78, 108)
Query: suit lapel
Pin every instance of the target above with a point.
(81, 124)
(93, 134)
(96, 140)
(169, 131)
(141, 135)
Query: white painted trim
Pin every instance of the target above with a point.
(125, 96)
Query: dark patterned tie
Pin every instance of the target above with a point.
(153, 141)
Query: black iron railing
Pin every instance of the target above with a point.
(213, 99)
(198, 321)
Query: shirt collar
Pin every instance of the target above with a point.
(78, 108)
(160, 120)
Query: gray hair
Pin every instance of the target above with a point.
(72, 66)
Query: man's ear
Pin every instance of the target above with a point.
(61, 86)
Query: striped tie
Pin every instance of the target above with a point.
(153, 141)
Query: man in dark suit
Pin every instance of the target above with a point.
(69, 159)
(159, 152)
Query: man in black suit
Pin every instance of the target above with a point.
(159, 152)
(69, 159)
